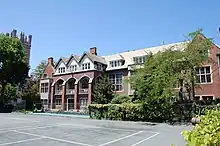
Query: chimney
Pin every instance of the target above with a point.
(93, 50)
(50, 60)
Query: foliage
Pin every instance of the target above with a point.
(30, 92)
(163, 70)
(14, 68)
(118, 99)
(38, 71)
(103, 91)
(207, 132)
(131, 111)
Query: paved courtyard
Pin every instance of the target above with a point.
(25, 130)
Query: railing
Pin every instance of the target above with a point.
(83, 91)
(58, 92)
(70, 91)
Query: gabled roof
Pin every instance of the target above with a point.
(93, 58)
(63, 59)
(75, 57)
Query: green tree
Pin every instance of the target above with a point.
(38, 71)
(14, 68)
(162, 71)
(11, 92)
(102, 92)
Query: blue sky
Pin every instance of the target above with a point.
(65, 27)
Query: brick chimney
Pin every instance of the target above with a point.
(50, 60)
(93, 50)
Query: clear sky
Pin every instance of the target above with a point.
(65, 27)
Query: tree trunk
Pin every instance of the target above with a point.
(2, 97)
(193, 85)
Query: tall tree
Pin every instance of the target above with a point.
(38, 71)
(103, 91)
(14, 68)
(164, 69)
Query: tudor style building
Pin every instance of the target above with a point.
(67, 85)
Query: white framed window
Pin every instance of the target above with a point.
(131, 84)
(83, 102)
(116, 81)
(218, 56)
(58, 101)
(85, 66)
(139, 59)
(61, 70)
(73, 68)
(98, 66)
(44, 88)
(116, 63)
(203, 75)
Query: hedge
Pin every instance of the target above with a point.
(130, 112)
(153, 111)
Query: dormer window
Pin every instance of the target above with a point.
(139, 59)
(116, 63)
(61, 70)
(85, 66)
(73, 68)
(98, 66)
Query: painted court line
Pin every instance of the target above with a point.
(22, 119)
(113, 141)
(26, 128)
(52, 138)
(21, 141)
(87, 126)
(145, 139)
(15, 128)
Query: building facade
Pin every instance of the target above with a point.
(68, 84)
(25, 40)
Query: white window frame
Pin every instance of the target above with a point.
(115, 63)
(200, 96)
(218, 57)
(113, 79)
(61, 70)
(139, 59)
(73, 68)
(200, 74)
(86, 66)
(44, 88)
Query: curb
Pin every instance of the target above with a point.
(61, 115)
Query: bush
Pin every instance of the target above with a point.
(207, 132)
(119, 99)
(131, 111)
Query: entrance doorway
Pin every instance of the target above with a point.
(70, 104)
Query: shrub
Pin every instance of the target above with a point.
(98, 111)
(119, 99)
(131, 112)
(207, 132)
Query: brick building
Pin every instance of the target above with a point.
(68, 84)
(25, 40)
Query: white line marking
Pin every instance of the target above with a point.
(15, 128)
(22, 119)
(113, 141)
(52, 138)
(145, 139)
(20, 141)
(26, 128)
